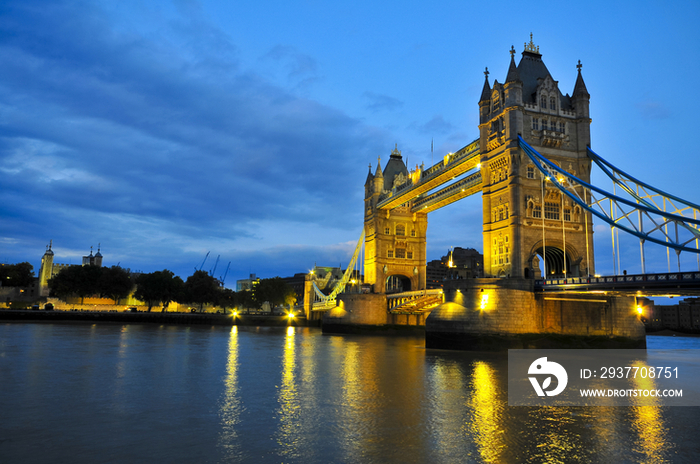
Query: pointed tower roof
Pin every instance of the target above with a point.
(370, 177)
(395, 166)
(580, 86)
(513, 75)
(486, 92)
(378, 172)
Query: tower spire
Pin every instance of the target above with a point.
(486, 91)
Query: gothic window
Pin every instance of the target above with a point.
(390, 254)
(413, 232)
(567, 214)
(537, 211)
(400, 230)
(530, 172)
(543, 101)
(535, 124)
(551, 211)
(401, 253)
(562, 128)
(387, 231)
(553, 103)
(409, 255)
(544, 124)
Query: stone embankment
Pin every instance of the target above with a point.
(152, 317)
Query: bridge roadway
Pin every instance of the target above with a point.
(452, 166)
(666, 284)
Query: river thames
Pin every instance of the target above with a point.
(89, 393)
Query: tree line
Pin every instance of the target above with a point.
(161, 288)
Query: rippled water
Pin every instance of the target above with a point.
(141, 393)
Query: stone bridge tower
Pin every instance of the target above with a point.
(394, 238)
(525, 217)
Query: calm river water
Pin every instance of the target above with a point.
(138, 393)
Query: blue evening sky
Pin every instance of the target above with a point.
(166, 129)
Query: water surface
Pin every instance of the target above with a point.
(144, 393)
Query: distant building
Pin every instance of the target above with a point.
(246, 285)
(460, 263)
(297, 283)
(49, 268)
(684, 316)
(94, 260)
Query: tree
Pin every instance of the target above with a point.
(201, 288)
(160, 287)
(227, 298)
(274, 290)
(115, 283)
(16, 275)
(80, 281)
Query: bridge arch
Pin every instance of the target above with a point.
(396, 283)
(556, 260)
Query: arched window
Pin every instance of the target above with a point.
(543, 101)
(552, 103)
(400, 230)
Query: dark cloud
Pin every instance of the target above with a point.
(437, 125)
(378, 102)
(140, 140)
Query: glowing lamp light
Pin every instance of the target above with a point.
(235, 313)
(640, 310)
(290, 315)
(478, 166)
(484, 301)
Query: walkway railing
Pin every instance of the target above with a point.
(673, 280)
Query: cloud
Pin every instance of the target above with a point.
(437, 125)
(378, 102)
(653, 110)
(149, 143)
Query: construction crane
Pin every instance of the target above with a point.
(205, 260)
(213, 270)
(223, 279)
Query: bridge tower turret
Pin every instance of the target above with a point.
(394, 238)
(525, 218)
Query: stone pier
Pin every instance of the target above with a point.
(498, 314)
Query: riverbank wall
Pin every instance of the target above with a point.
(154, 318)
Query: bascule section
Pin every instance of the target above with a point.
(526, 219)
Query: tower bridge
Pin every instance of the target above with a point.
(532, 164)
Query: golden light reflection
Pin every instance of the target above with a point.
(288, 398)
(446, 408)
(486, 413)
(231, 405)
(484, 301)
(648, 422)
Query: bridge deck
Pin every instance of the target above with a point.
(674, 283)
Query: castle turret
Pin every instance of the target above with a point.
(46, 271)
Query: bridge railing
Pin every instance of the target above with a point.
(632, 279)
(397, 299)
